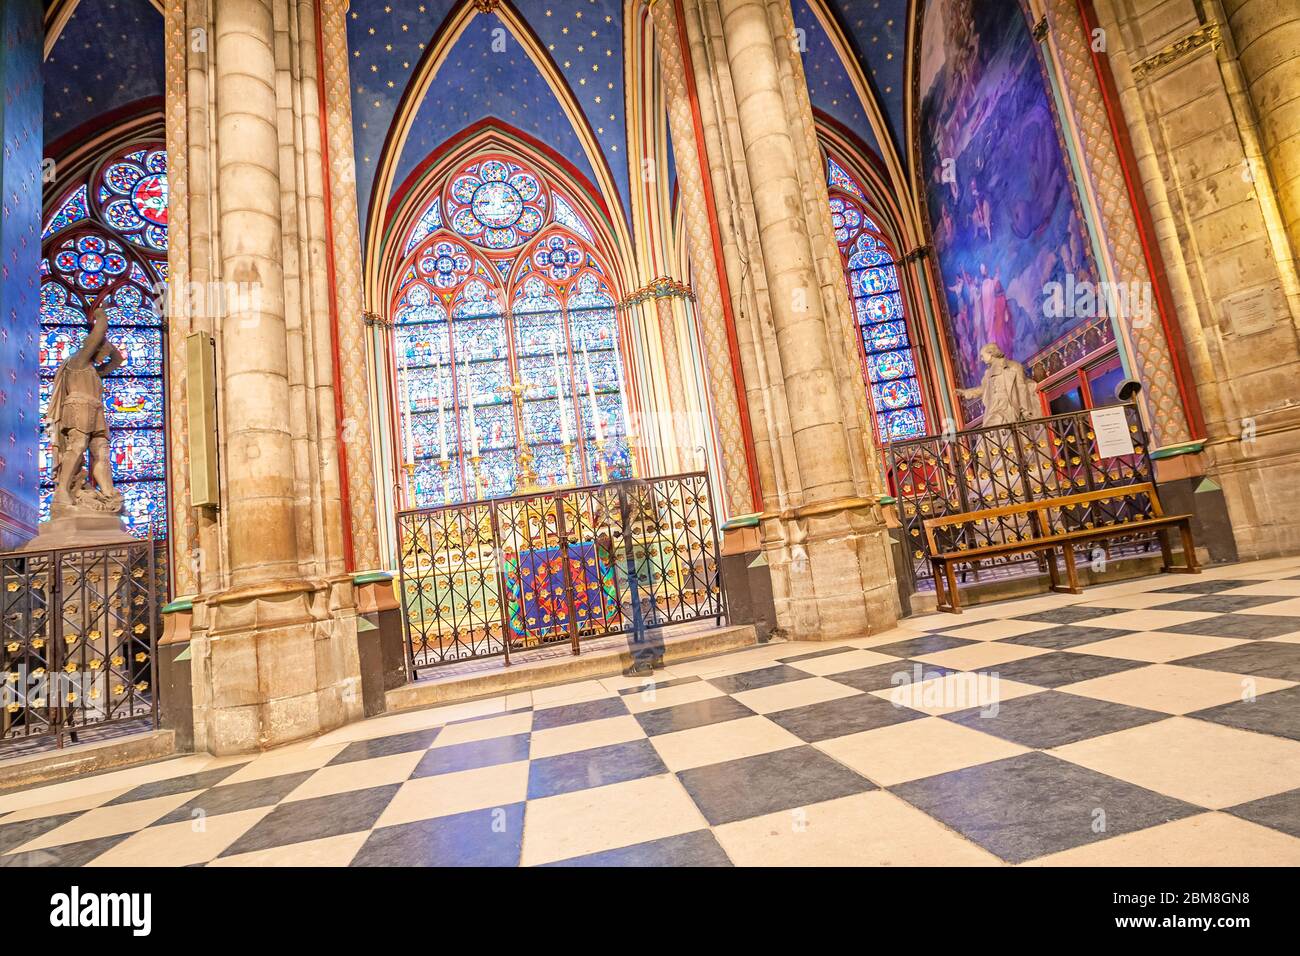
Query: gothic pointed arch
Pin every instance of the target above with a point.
(104, 243)
(505, 333)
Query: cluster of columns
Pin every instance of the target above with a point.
(799, 467)
(270, 606)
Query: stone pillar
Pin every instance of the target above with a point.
(273, 627)
(663, 306)
(259, 478)
(826, 542)
(1266, 34)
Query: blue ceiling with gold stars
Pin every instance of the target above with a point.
(487, 75)
(829, 86)
(109, 55)
(878, 31)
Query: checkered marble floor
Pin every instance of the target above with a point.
(1149, 722)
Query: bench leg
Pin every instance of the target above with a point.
(1189, 548)
(1071, 573)
(936, 572)
(1166, 552)
(954, 596)
(1053, 572)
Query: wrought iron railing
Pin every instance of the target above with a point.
(1009, 464)
(78, 633)
(505, 575)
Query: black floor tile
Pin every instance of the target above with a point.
(598, 767)
(925, 644)
(386, 746)
(473, 755)
(840, 717)
(698, 848)
(1057, 668)
(566, 714)
(1222, 603)
(70, 854)
(175, 785)
(826, 652)
(653, 683)
(1072, 614)
(1052, 719)
(1276, 713)
(238, 796)
(699, 713)
(1067, 635)
(1029, 806)
(1207, 586)
(13, 835)
(1260, 659)
(1280, 812)
(491, 837)
(315, 819)
(752, 786)
(885, 676)
(762, 677)
(1250, 627)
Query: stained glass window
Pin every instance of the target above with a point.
(105, 243)
(504, 326)
(889, 360)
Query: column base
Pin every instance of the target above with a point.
(273, 664)
(832, 573)
(1261, 491)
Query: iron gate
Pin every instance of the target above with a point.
(1034, 460)
(504, 575)
(78, 631)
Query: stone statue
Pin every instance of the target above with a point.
(85, 508)
(1005, 390)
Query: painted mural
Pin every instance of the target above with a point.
(998, 190)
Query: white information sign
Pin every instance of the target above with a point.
(1110, 425)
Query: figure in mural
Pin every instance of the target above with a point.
(1013, 228)
(1006, 392)
(77, 425)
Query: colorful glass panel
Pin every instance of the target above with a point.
(530, 313)
(889, 360)
(111, 252)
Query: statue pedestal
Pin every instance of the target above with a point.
(78, 530)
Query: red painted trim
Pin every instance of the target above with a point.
(345, 499)
(1146, 229)
(710, 204)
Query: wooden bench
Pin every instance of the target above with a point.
(1040, 538)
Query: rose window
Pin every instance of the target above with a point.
(496, 204)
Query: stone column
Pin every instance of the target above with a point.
(827, 544)
(724, 388)
(259, 477)
(1266, 34)
(273, 629)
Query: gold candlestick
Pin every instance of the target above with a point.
(408, 485)
(445, 465)
(478, 477)
(568, 463)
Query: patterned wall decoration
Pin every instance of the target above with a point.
(487, 75)
(20, 253)
(998, 192)
(109, 55)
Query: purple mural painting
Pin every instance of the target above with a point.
(998, 191)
